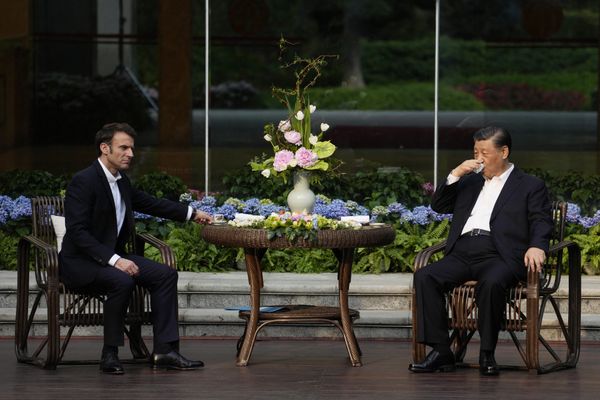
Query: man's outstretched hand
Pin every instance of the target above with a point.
(202, 218)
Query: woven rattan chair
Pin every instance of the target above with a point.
(529, 305)
(66, 308)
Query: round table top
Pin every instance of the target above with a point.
(366, 236)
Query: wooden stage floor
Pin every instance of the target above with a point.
(292, 369)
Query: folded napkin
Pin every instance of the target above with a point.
(241, 217)
(361, 219)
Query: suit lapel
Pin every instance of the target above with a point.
(510, 187)
(107, 191)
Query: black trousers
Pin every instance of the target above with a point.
(472, 258)
(161, 282)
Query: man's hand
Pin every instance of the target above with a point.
(127, 266)
(466, 167)
(202, 217)
(534, 259)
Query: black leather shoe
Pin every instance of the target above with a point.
(174, 360)
(110, 364)
(434, 362)
(487, 364)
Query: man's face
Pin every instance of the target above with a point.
(119, 153)
(493, 158)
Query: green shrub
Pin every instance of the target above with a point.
(71, 109)
(589, 242)
(386, 61)
(194, 254)
(398, 96)
(26, 183)
(300, 261)
(574, 187)
(161, 184)
(400, 256)
(243, 183)
(8, 250)
(370, 188)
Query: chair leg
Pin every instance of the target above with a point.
(136, 342)
(461, 339)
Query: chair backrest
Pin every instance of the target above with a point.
(551, 276)
(42, 208)
(559, 215)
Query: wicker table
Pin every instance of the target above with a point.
(255, 243)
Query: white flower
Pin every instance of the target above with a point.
(312, 108)
(285, 125)
(313, 139)
(268, 137)
(324, 127)
(293, 163)
(266, 173)
(299, 115)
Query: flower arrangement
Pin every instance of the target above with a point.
(294, 226)
(295, 146)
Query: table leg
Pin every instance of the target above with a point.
(345, 257)
(253, 257)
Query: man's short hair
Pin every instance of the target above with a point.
(106, 133)
(500, 136)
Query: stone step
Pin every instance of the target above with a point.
(225, 323)
(367, 292)
(383, 301)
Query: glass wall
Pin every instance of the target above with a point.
(377, 96)
(531, 66)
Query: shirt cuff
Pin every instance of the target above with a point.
(113, 260)
(189, 214)
(451, 179)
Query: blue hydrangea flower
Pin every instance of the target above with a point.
(268, 209)
(228, 211)
(573, 213)
(21, 208)
(208, 201)
(237, 203)
(397, 208)
(335, 210)
(251, 206)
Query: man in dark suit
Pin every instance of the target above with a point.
(501, 226)
(99, 207)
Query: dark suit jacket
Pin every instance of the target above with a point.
(90, 216)
(521, 217)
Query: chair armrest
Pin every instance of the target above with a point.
(549, 280)
(48, 276)
(425, 255)
(167, 255)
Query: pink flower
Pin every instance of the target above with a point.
(285, 125)
(293, 137)
(305, 157)
(282, 160)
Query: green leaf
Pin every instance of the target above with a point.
(324, 149)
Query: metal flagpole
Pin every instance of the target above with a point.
(206, 94)
(436, 92)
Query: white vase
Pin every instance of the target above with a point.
(301, 198)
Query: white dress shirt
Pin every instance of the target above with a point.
(482, 210)
(119, 204)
